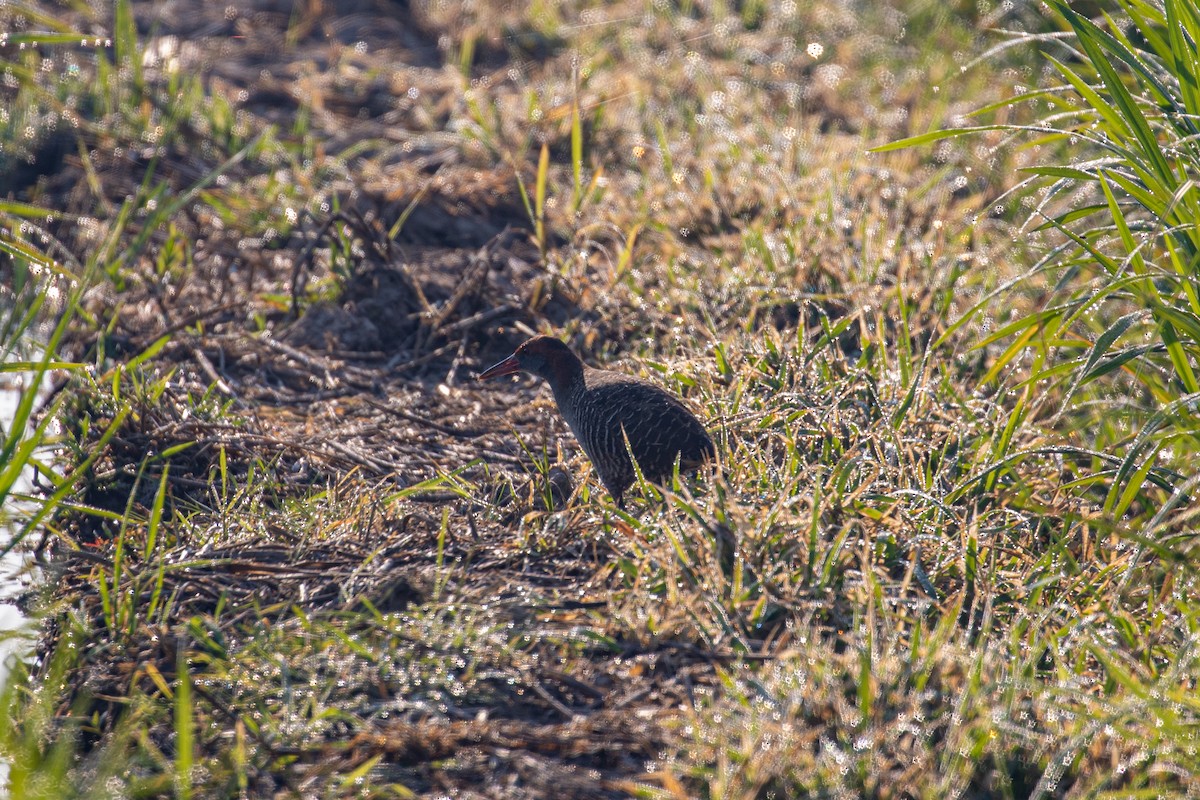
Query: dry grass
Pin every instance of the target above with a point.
(313, 558)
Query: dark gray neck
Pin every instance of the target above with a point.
(563, 374)
(567, 384)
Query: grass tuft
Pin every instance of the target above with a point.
(297, 550)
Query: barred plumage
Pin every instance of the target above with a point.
(604, 408)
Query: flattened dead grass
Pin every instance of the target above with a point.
(313, 518)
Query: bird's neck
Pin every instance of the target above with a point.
(566, 378)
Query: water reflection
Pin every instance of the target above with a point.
(16, 630)
(13, 566)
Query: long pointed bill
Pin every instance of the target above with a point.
(508, 366)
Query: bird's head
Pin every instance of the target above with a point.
(543, 356)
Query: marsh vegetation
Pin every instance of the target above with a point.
(928, 271)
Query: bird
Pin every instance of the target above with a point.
(604, 409)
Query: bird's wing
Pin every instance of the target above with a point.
(658, 426)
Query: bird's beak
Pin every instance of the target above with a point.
(508, 366)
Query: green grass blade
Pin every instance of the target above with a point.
(1183, 33)
(156, 512)
(1118, 127)
(68, 483)
(576, 156)
(937, 136)
(1132, 488)
(1090, 38)
(184, 727)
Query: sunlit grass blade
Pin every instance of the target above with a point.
(1183, 34)
(577, 192)
(1095, 42)
(936, 136)
(1120, 499)
(539, 196)
(184, 727)
(67, 485)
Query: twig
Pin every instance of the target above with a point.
(303, 358)
(360, 458)
(479, 318)
(554, 702)
(395, 365)
(472, 433)
(211, 372)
